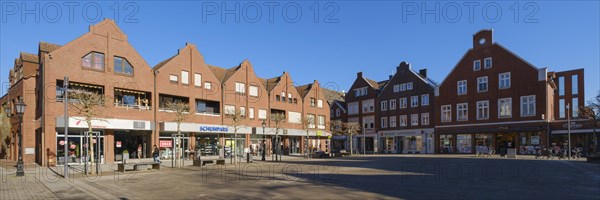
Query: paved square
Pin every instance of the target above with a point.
(359, 177)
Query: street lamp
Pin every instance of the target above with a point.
(569, 130)
(264, 149)
(7, 110)
(20, 110)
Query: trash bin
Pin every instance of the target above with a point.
(248, 158)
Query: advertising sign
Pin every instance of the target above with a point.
(165, 143)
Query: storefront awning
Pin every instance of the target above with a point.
(575, 131)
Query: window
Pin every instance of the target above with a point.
(319, 103)
(368, 106)
(294, 117)
(283, 97)
(312, 102)
(360, 92)
(483, 110)
(396, 88)
(262, 114)
(198, 80)
(277, 97)
(321, 121)
(208, 85)
(409, 86)
(462, 110)
(240, 88)
(425, 118)
(414, 119)
(253, 90)
(414, 101)
(528, 106)
(393, 121)
(311, 119)
(337, 112)
(173, 78)
(487, 63)
(207, 107)
(574, 107)
(392, 104)
(384, 122)
(574, 84)
(561, 85)
(425, 100)
(229, 110)
(561, 108)
(476, 65)
(184, 77)
(353, 108)
(504, 80)
(461, 87)
(403, 102)
(93, 60)
(242, 111)
(505, 108)
(482, 84)
(403, 87)
(403, 120)
(122, 66)
(251, 113)
(446, 113)
(369, 122)
(384, 105)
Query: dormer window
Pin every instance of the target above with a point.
(93, 60)
(122, 66)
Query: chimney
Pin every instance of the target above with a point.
(390, 77)
(359, 75)
(423, 73)
(403, 66)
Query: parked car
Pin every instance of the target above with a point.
(320, 154)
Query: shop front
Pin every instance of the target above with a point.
(109, 140)
(339, 142)
(580, 138)
(526, 140)
(416, 141)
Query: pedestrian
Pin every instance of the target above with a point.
(156, 154)
(139, 151)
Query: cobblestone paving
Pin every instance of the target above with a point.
(26, 187)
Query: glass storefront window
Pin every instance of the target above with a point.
(529, 142)
(464, 143)
(483, 142)
(207, 144)
(446, 144)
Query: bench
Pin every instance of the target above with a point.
(136, 166)
(219, 161)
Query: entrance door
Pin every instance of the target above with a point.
(504, 141)
(399, 144)
(294, 145)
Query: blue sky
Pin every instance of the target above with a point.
(344, 38)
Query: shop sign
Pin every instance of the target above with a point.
(165, 143)
(319, 133)
(118, 144)
(573, 125)
(213, 129)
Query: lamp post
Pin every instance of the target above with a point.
(569, 130)
(20, 111)
(264, 149)
(7, 110)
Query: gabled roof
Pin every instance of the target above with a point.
(160, 64)
(48, 47)
(341, 105)
(373, 83)
(271, 83)
(332, 95)
(382, 84)
(29, 57)
(218, 71)
(303, 89)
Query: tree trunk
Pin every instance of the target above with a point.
(91, 146)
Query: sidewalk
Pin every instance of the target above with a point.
(29, 186)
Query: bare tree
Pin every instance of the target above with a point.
(182, 112)
(5, 135)
(278, 119)
(89, 105)
(308, 123)
(237, 117)
(351, 128)
(592, 112)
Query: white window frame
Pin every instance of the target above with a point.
(197, 79)
(173, 78)
(459, 86)
(444, 109)
(403, 102)
(319, 102)
(500, 107)
(459, 112)
(337, 112)
(525, 100)
(353, 108)
(229, 109)
(240, 88)
(384, 105)
(414, 119)
(482, 80)
(393, 121)
(424, 118)
(208, 85)
(242, 111)
(476, 65)
(485, 66)
(500, 80)
(384, 122)
(424, 99)
(414, 103)
(402, 87)
(392, 104)
(396, 88)
(262, 114)
(251, 113)
(403, 120)
(253, 90)
(185, 77)
(409, 86)
(483, 105)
